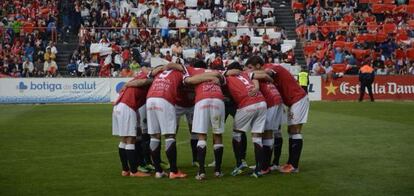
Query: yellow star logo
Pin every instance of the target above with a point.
(331, 89)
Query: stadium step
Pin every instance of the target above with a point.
(65, 52)
(286, 19)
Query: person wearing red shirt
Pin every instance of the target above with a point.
(185, 106)
(296, 99)
(161, 100)
(124, 121)
(273, 122)
(250, 115)
(208, 113)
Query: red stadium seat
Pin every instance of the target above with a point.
(389, 1)
(377, 8)
(340, 44)
(338, 68)
(389, 28)
(400, 54)
(410, 53)
(297, 6)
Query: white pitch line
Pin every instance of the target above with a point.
(68, 156)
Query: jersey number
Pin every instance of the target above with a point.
(165, 73)
(244, 80)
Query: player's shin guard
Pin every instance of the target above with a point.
(237, 147)
(267, 152)
(123, 156)
(277, 148)
(156, 153)
(193, 143)
(243, 146)
(258, 152)
(295, 145)
(171, 151)
(132, 157)
(146, 151)
(201, 155)
(218, 156)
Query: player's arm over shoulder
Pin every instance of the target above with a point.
(204, 77)
(139, 82)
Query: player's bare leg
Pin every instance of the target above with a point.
(267, 150)
(295, 149)
(123, 156)
(201, 155)
(218, 153)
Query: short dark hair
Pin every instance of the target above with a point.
(200, 64)
(235, 65)
(254, 60)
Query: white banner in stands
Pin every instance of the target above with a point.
(195, 19)
(54, 90)
(190, 13)
(165, 50)
(315, 88)
(191, 3)
(181, 23)
(266, 10)
(217, 40)
(205, 14)
(232, 17)
(189, 53)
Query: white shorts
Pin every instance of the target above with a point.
(124, 120)
(252, 117)
(160, 116)
(187, 111)
(274, 118)
(209, 113)
(142, 116)
(298, 112)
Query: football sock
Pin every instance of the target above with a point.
(236, 141)
(146, 151)
(156, 153)
(193, 143)
(123, 156)
(201, 155)
(296, 145)
(277, 149)
(243, 146)
(258, 152)
(218, 156)
(171, 151)
(139, 152)
(132, 157)
(267, 152)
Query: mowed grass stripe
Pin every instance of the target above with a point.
(349, 149)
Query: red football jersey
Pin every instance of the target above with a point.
(288, 87)
(239, 87)
(185, 96)
(134, 97)
(270, 93)
(165, 85)
(206, 89)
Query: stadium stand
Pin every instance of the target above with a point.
(28, 35)
(341, 35)
(330, 37)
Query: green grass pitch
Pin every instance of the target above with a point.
(349, 149)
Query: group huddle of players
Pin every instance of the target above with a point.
(254, 94)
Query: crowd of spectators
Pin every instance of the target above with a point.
(139, 31)
(340, 36)
(26, 31)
